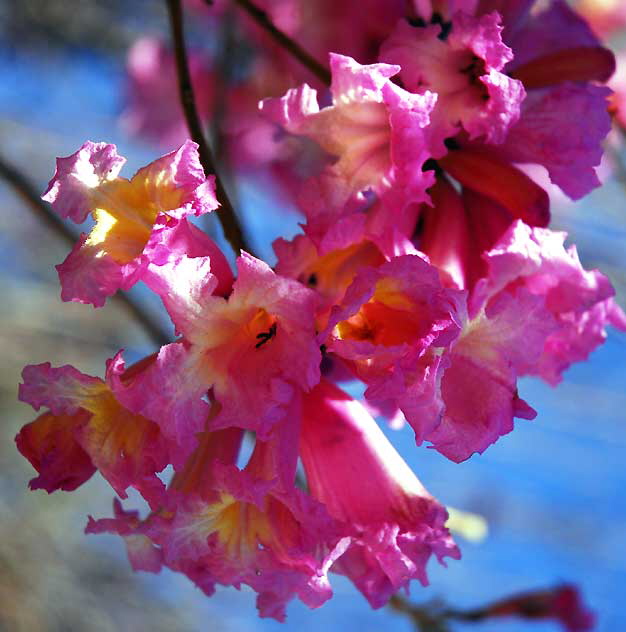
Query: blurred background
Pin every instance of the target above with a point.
(551, 492)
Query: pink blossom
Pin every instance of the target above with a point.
(463, 66)
(223, 525)
(254, 350)
(336, 244)
(391, 328)
(393, 523)
(536, 312)
(479, 386)
(580, 301)
(374, 129)
(132, 217)
(88, 428)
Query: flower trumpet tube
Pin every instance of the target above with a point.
(393, 523)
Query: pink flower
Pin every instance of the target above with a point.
(134, 218)
(223, 525)
(479, 386)
(374, 129)
(393, 523)
(536, 312)
(87, 429)
(254, 350)
(392, 327)
(462, 62)
(580, 301)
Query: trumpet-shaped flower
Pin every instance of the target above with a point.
(223, 525)
(254, 350)
(462, 62)
(133, 218)
(374, 128)
(392, 327)
(535, 313)
(87, 429)
(393, 523)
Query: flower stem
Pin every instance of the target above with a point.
(261, 18)
(226, 213)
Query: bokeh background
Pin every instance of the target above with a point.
(552, 492)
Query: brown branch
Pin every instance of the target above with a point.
(424, 618)
(261, 18)
(44, 212)
(226, 213)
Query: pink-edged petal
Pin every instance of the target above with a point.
(178, 172)
(479, 387)
(61, 389)
(353, 82)
(546, 136)
(171, 392)
(577, 337)
(69, 191)
(142, 554)
(414, 387)
(51, 447)
(90, 276)
(292, 109)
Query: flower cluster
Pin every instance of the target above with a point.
(425, 269)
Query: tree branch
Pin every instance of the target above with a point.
(261, 18)
(226, 213)
(43, 211)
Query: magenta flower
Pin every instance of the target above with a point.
(392, 327)
(86, 429)
(374, 128)
(134, 218)
(393, 523)
(254, 350)
(223, 525)
(580, 301)
(536, 312)
(462, 62)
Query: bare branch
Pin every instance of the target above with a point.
(226, 213)
(261, 18)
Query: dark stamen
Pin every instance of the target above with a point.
(446, 27)
(417, 22)
(265, 336)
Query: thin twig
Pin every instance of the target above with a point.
(425, 619)
(226, 213)
(261, 18)
(44, 212)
